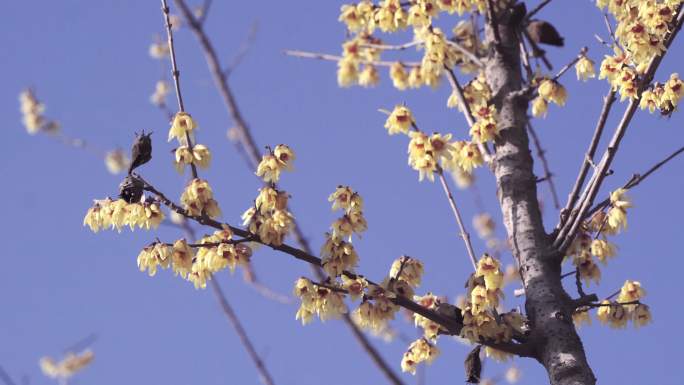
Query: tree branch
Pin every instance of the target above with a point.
(250, 148)
(548, 176)
(636, 179)
(176, 76)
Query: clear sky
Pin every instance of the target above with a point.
(89, 64)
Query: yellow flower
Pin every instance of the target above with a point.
(369, 76)
(338, 256)
(484, 130)
(490, 268)
(197, 199)
(580, 317)
(351, 17)
(182, 124)
(497, 355)
(470, 157)
(201, 155)
(631, 291)
(407, 269)
(618, 316)
(585, 69)
(183, 157)
(419, 351)
(285, 156)
(415, 78)
(588, 270)
(345, 198)
(602, 249)
(617, 214)
(347, 72)
(152, 256)
(553, 91)
(70, 365)
(642, 315)
(355, 287)
(603, 312)
(399, 77)
(399, 121)
(181, 258)
(539, 107)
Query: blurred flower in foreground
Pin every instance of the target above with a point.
(67, 367)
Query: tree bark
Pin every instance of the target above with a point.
(549, 308)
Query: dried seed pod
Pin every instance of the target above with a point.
(131, 189)
(141, 152)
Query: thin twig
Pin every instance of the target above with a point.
(392, 47)
(242, 334)
(548, 176)
(205, 12)
(5, 377)
(335, 58)
(636, 179)
(457, 214)
(176, 76)
(243, 50)
(536, 9)
(233, 318)
(566, 67)
(608, 101)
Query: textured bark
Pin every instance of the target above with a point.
(549, 308)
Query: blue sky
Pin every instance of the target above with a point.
(88, 62)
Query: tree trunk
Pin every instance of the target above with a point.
(549, 308)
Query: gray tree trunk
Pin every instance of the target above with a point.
(549, 308)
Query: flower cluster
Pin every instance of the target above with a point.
(337, 253)
(214, 253)
(388, 16)
(67, 367)
(280, 158)
(107, 213)
(430, 328)
(419, 351)
(591, 241)
(641, 30)
(641, 27)
(269, 218)
(550, 91)
(426, 152)
(324, 302)
(626, 308)
(198, 199)
(483, 296)
(664, 97)
(32, 114)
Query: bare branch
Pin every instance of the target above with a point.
(243, 50)
(608, 101)
(5, 377)
(457, 214)
(176, 76)
(548, 176)
(566, 67)
(242, 334)
(536, 9)
(636, 179)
